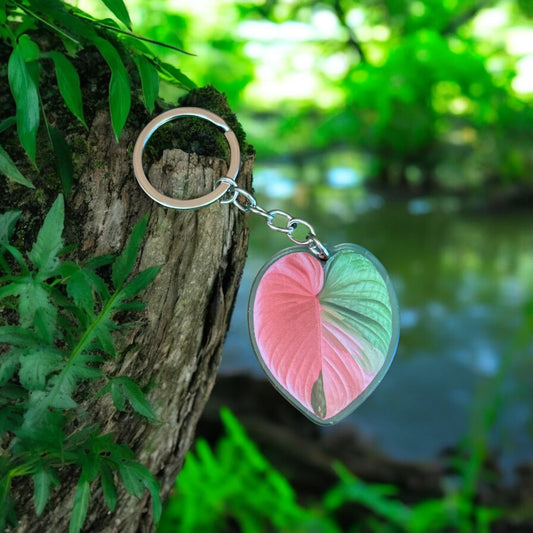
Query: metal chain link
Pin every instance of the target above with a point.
(246, 203)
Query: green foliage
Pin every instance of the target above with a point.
(56, 348)
(236, 484)
(22, 73)
(75, 30)
(9, 169)
(120, 11)
(453, 512)
(119, 86)
(68, 83)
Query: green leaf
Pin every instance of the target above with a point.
(117, 395)
(120, 11)
(43, 480)
(149, 81)
(24, 89)
(135, 478)
(34, 297)
(119, 86)
(6, 501)
(7, 123)
(42, 428)
(375, 497)
(154, 489)
(123, 265)
(28, 48)
(82, 370)
(140, 282)
(176, 75)
(63, 156)
(122, 388)
(59, 397)
(94, 263)
(79, 286)
(44, 254)
(80, 507)
(108, 486)
(10, 420)
(105, 339)
(133, 305)
(132, 482)
(3, 12)
(11, 392)
(17, 256)
(36, 366)
(88, 461)
(84, 286)
(18, 336)
(68, 82)
(10, 170)
(45, 323)
(8, 366)
(7, 224)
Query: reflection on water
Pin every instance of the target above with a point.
(463, 281)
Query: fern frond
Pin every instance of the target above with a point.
(66, 320)
(44, 254)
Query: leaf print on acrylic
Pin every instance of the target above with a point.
(324, 332)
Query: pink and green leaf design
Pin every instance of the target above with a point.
(324, 331)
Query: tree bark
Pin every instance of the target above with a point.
(175, 348)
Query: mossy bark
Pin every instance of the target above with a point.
(175, 349)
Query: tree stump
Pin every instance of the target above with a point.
(175, 348)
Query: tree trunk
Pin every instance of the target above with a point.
(176, 347)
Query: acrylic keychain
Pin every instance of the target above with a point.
(323, 320)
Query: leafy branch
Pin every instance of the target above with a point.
(58, 345)
(76, 30)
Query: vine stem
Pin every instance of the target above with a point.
(45, 22)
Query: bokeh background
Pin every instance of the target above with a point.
(406, 127)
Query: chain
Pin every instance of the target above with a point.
(246, 203)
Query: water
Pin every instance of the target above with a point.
(463, 280)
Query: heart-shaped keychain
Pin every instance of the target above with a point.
(323, 320)
(324, 331)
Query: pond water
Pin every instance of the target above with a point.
(463, 279)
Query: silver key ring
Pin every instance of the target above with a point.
(193, 203)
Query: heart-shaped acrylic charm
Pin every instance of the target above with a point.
(324, 332)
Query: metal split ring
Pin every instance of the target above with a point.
(194, 203)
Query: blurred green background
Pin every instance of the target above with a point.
(433, 94)
(406, 127)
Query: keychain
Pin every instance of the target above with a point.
(323, 320)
